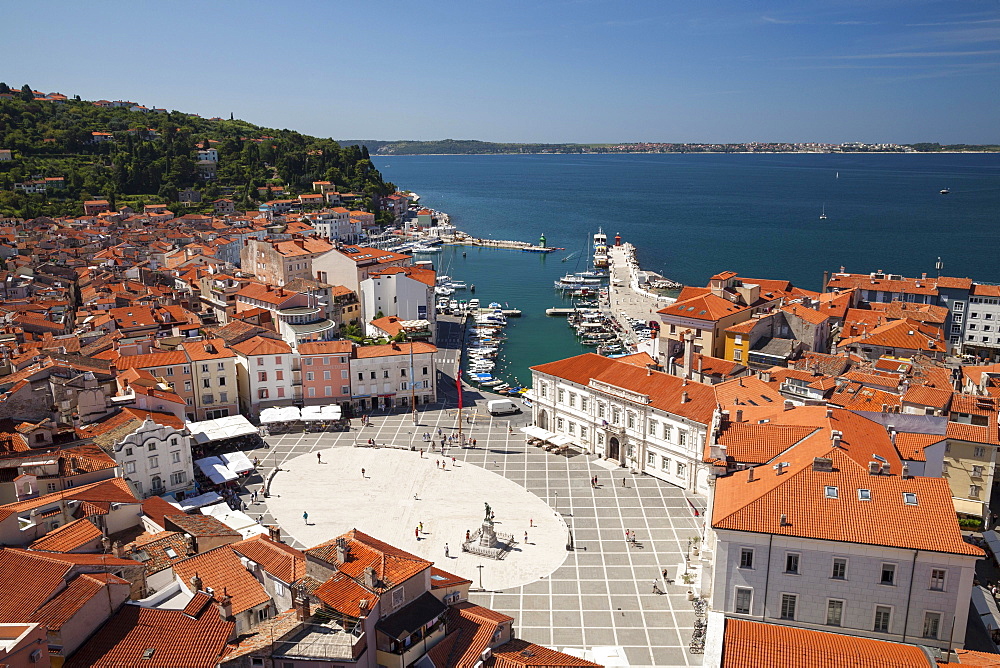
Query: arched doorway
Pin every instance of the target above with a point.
(543, 419)
(614, 448)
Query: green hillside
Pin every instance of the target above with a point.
(153, 156)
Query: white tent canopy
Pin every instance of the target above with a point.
(537, 432)
(215, 470)
(221, 429)
(280, 414)
(236, 520)
(560, 439)
(237, 462)
(195, 502)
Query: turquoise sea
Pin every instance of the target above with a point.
(692, 215)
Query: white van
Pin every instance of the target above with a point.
(502, 407)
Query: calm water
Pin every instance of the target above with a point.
(694, 215)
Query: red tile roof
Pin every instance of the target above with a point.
(259, 345)
(523, 654)
(393, 349)
(343, 594)
(708, 307)
(753, 443)
(665, 391)
(749, 644)
(326, 348)
(124, 640)
(68, 537)
(71, 600)
(392, 565)
(221, 570)
(280, 560)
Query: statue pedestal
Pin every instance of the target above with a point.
(488, 536)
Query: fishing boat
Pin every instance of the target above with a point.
(492, 383)
(502, 388)
(945, 191)
(822, 216)
(444, 290)
(425, 250)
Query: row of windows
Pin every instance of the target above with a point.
(328, 375)
(681, 467)
(838, 571)
(881, 619)
(385, 374)
(325, 360)
(570, 427)
(328, 391)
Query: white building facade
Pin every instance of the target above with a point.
(266, 373)
(646, 420)
(156, 459)
(389, 376)
(887, 593)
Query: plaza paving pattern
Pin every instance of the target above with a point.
(600, 595)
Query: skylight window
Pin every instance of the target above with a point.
(832, 492)
(864, 495)
(171, 553)
(909, 498)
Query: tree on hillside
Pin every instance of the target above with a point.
(26, 93)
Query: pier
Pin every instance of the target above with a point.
(523, 246)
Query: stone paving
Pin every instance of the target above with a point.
(600, 595)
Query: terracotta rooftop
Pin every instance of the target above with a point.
(280, 560)
(520, 653)
(221, 570)
(753, 443)
(68, 537)
(164, 636)
(392, 565)
(665, 391)
(749, 644)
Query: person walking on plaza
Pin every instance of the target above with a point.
(467, 535)
(421, 527)
(362, 473)
(305, 517)
(416, 533)
(319, 458)
(446, 551)
(525, 537)
(656, 587)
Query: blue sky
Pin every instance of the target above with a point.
(547, 70)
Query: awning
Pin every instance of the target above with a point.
(967, 507)
(560, 439)
(992, 542)
(195, 502)
(215, 470)
(422, 610)
(237, 462)
(986, 606)
(280, 414)
(220, 429)
(537, 432)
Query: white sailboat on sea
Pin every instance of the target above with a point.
(822, 216)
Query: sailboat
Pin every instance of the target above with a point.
(838, 175)
(822, 216)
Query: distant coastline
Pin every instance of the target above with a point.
(476, 147)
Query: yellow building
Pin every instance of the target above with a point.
(971, 453)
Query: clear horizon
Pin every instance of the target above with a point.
(558, 71)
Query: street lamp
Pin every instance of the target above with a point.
(480, 567)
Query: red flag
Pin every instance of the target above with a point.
(458, 384)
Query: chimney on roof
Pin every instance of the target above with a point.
(196, 582)
(649, 370)
(780, 467)
(724, 417)
(886, 468)
(789, 404)
(874, 468)
(739, 415)
(342, 550)
(370, 580)
(226, 606)
(824, 464)
(835, 437)
(750, 474)
(274, 532)
(829, 413)
(783, 520)
(906, 471)
(302, 604)
(684, 397)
